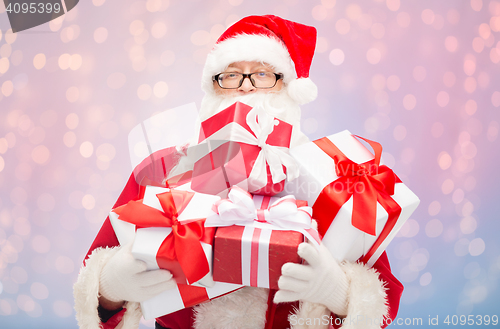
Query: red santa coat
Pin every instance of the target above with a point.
(276, 316)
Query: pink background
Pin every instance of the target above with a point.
(421, 77)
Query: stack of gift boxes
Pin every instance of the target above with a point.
(251, 200)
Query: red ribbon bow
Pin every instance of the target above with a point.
(368, 183)
(183, 244)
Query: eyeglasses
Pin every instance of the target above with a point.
(233, 80)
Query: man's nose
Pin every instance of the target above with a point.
(246, 86)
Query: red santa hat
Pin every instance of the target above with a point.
(285, 45)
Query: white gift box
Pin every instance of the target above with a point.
(317, 170)
(147, 241)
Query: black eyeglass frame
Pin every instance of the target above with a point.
(249, 76)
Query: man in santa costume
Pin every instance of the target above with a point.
(262, 61)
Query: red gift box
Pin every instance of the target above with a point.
(252, 256)
(256, 235)
(263, 142)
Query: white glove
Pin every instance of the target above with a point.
(125, 278)
(320, 281)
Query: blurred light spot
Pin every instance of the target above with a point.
(158, 30)
(310, 125)
(144, 92)
(477, 247)
(7, 88)
(10, 37)
(167, 58)
(467, 209)
(75, 62)
(321, 45)
(403, 19)
(409, 102)
(154, 5)
(39, 290)
(495, 99)
(40, 244)
(200, 37)
(469, 66)
(62, 309)
(484, 31)
(434, 228)
(72, 94)
(4, 65)
(69, 139)
(353, 12)
(98, 3)
(472, 270)
(337, 56)
(72, 121)
(476, 5)
(494, 55)
(443, 98)
(470, 84)
(160, 89)
(393, 5)
(88, 202)
(319, 13)
(471, 106)
(451, 43)
(393, 83)
(371, 124)
(438, 23)
(437, 129)
(64, 265)
(468, 225)
(46, 202)
(39, 61)
(116, 80)
(64, 61)
(493, 129)
(425, 279)
(478, 44)
(495, 23)
(5, 50)
(399, 132)
(105, 152)
(447, 186)
(40, 154)
(373, 55)
(86, 149)
(468, 150)
(434, 208)
(458, 196)
(483, 79)
(419, 73)
(100, 34)
(328, 3)
(25, 303)
(410, 228)
(343, 26)
(136, 27)
(16, 58)
(427, 16)
(444, 160)
(23, 171)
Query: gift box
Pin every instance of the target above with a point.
(167, 231)
(256, 236)
(263, 143)
(358, 202)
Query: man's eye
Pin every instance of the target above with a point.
(231, 75)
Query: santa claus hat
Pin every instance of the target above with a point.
(285, 45)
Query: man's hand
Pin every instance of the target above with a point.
(320, 281)
(125, 278)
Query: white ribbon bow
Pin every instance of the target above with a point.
(283, 214)
(261, 124)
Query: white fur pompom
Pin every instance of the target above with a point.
(302, 90)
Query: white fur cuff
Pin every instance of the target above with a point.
(367, 304)
(86, 293)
